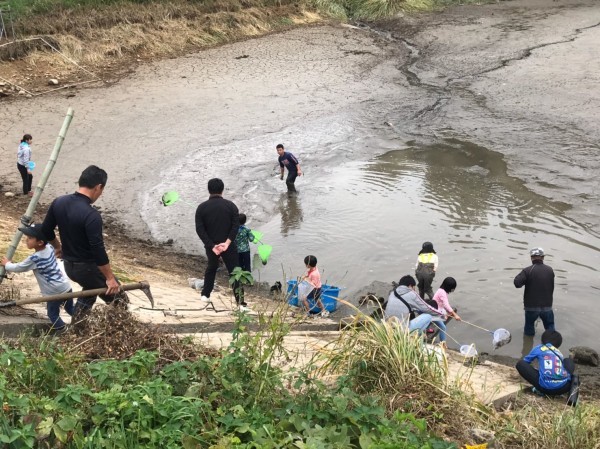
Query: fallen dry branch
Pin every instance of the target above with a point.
(112, 332)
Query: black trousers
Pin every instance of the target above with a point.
(290, 180)
(89, 276)
(26, 177)
(231, 260)
(532, 375)
(245, 262)
(424, 281)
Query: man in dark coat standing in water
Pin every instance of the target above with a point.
(217, 223)
(538, 280)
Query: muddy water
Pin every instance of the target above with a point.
(366, 220)
(376, 213)
(434, 128)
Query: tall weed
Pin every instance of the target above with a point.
(384, 357)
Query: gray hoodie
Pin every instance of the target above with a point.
(395, 307)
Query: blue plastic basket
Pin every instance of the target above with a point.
(329, 295)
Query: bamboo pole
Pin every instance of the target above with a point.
(26, 219)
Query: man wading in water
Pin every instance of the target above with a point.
(538, 280)
(288, 160)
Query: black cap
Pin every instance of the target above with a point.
(34, 231)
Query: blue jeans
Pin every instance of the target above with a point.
(420, 323)
(547, 318)
(442, 327)
(53, 308)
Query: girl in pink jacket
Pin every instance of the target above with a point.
(441, 298)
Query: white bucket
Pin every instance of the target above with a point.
(468, 351)
(435, 351)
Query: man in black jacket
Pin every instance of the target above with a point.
(81, 242)
(217, 224)
(538, 280)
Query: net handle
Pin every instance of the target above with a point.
(478, 327)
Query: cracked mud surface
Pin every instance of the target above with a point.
(521, 68)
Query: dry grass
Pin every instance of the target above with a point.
(90, 35)
(385, 360)
(107, 41)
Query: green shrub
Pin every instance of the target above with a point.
(240, 399)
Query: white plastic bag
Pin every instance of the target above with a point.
(304, 289)
(196, 283)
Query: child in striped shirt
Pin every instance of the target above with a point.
(51, 279)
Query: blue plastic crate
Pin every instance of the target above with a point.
(329, 295)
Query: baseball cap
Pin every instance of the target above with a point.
(537, 252)
(34, 231)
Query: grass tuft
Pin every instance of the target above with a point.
(384, 359)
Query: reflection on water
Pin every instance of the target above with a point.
(366, 221)
(291, 212)
(463, 181)
(527, 345)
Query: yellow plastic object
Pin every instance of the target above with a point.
(477, 446)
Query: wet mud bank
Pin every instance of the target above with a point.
(517, 77)
(472, 128)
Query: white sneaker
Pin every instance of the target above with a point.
(204, 299)
(244, 309)
(325, 313)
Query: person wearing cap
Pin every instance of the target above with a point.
(50, 278)
(538, 280)
(289, 161)
(81, 242)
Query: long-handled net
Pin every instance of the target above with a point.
(501, 336)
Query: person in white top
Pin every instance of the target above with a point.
(23, 163)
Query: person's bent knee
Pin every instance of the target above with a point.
(521, 366)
